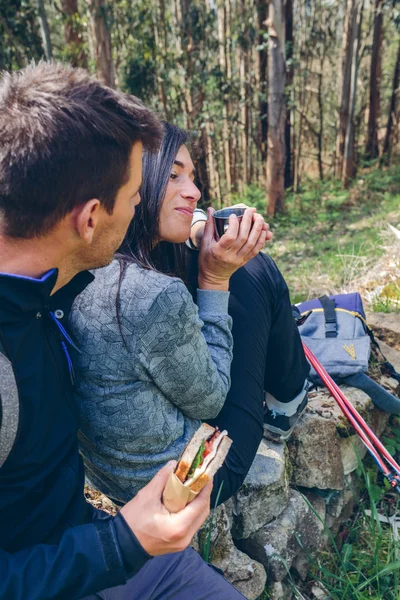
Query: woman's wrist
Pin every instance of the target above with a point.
(207, 282)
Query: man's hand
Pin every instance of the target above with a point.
(241, 242)
(158, 531)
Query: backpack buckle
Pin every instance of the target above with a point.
(330, 329)
(303, 318)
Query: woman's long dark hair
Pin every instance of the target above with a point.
(140, 244)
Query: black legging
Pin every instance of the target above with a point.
(267, 356)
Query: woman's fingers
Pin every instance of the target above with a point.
(230, 236)
(252, 239)
(246, 225)
(257, 247)
(235, 237)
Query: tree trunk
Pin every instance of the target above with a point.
(349, 165)
(213, 175)
(276, 109)
(102, 41)
(347, 61)
(243, 119)
(202, 167)
(289, 94)
(393, 117)
(262, 13)
(179, 41)
(320, 136)
(225, 106)
(372, 149)
(73, 34)
(44, 30)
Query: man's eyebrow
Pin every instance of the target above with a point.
(137, 189)
(180, 164)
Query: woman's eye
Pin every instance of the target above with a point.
(173, 176)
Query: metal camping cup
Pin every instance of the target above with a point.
(221, 218)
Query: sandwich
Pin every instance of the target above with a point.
(202, 457)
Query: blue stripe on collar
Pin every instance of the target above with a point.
(41, 280)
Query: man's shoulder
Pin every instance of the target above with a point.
(9, 406)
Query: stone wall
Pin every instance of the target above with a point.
(292, 494)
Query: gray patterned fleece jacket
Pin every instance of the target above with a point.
(148, 373)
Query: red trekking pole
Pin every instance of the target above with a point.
(372, 443)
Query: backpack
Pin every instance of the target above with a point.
(335, 329)
(9, 407)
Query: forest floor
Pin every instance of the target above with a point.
(333, 240)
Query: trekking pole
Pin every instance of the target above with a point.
(372, 443)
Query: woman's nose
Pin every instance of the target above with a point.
(191, 192)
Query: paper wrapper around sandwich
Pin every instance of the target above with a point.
(176, 496)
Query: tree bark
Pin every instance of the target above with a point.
(73, 34)
(393, 116)
(223, 65)
(349, 165)
(44, 30)
(372, 148)
(262, 12)
(213, 175)
(243, 118)
(289, 93)
(102, 41)
(347, 61)
(276, 109)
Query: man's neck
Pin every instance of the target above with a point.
(34, 258)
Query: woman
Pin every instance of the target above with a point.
(149, 371)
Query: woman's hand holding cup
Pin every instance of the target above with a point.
(242, 241)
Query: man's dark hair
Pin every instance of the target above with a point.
(64, 139)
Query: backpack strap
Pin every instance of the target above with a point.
(386, 367)
(328, 304)
(9, 407)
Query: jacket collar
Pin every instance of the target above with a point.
(20, 295)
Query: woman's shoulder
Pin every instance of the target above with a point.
(132, 287)
(129, 293)
(125, 277)
(146, 282)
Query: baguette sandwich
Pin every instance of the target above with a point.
(202, 457)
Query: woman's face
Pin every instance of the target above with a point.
(180, 200)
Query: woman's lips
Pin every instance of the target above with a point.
(185, 211)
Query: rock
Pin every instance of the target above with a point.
(389, 321)
(314, 451)
(324, 450)
(247, 575)
(265, 491)
(390, 384)
(352, 450)
(320, 592)
(391, 354)
(279, 591)
(296, 531)
(339, 505)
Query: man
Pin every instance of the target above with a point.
(70, 173)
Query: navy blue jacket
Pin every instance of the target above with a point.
(52, 543)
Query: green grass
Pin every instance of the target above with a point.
(363, 561)
(329, 235)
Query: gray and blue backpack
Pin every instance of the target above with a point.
(335, 329)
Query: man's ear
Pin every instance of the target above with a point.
(87, 219)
